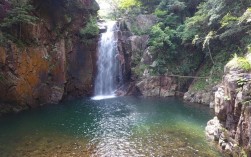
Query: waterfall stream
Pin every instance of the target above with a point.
(105, 83)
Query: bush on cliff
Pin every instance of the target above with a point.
(91, 29)
(19, 15)
(125, 4)
(238, 63)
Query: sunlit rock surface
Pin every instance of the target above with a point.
(231, 127)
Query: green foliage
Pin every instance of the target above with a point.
(193, 26)
(213, 72)
(160, 13)
(200, 84)
(163, 42)
(126, 4)
(188, 31)
(16, 18)
(166, 37)
(239, 62)
(242, 81)
(172, 5)
(19, 15)
(160, 67)
(139, 70)
(90, 29)
(149, 5)
(3, 39)
(119, 8)
(137, 31)
(227, 19)
(160, 37)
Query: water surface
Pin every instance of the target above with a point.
(130, 127)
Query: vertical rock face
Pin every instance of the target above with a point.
(232, 124)
(61, 65)
(81, 65)
(162, 86)
(124, 51)
(136, 53)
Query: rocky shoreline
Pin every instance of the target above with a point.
(231, 126)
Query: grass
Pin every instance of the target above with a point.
(239, 63)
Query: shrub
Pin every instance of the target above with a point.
(193, 26)
(91, 29)
(139, 70)
(227, 19)
(126, 4)
(161, 38)
(160, 13)
(239, 63)
(19, 15)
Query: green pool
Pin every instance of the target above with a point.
(119, 127)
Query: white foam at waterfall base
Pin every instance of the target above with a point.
(101, 97)
(107, 64)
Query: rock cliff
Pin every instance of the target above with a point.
(231, 127)
(137, 54)
(58, 64)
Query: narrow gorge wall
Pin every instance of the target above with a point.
(59, 65)
(138, 58)
(231, 127)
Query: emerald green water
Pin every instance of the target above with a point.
(126, 126)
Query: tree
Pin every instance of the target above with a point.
(18, 15)
(91, 28)
(126, 4)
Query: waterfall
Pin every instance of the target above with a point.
(105, 83)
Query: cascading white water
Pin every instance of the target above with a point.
(105, 82)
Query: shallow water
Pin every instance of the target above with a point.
(130, 127)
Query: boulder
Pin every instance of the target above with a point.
(163, 86)
(213, 129)
(202, 97)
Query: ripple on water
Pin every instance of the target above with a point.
(114, 127)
